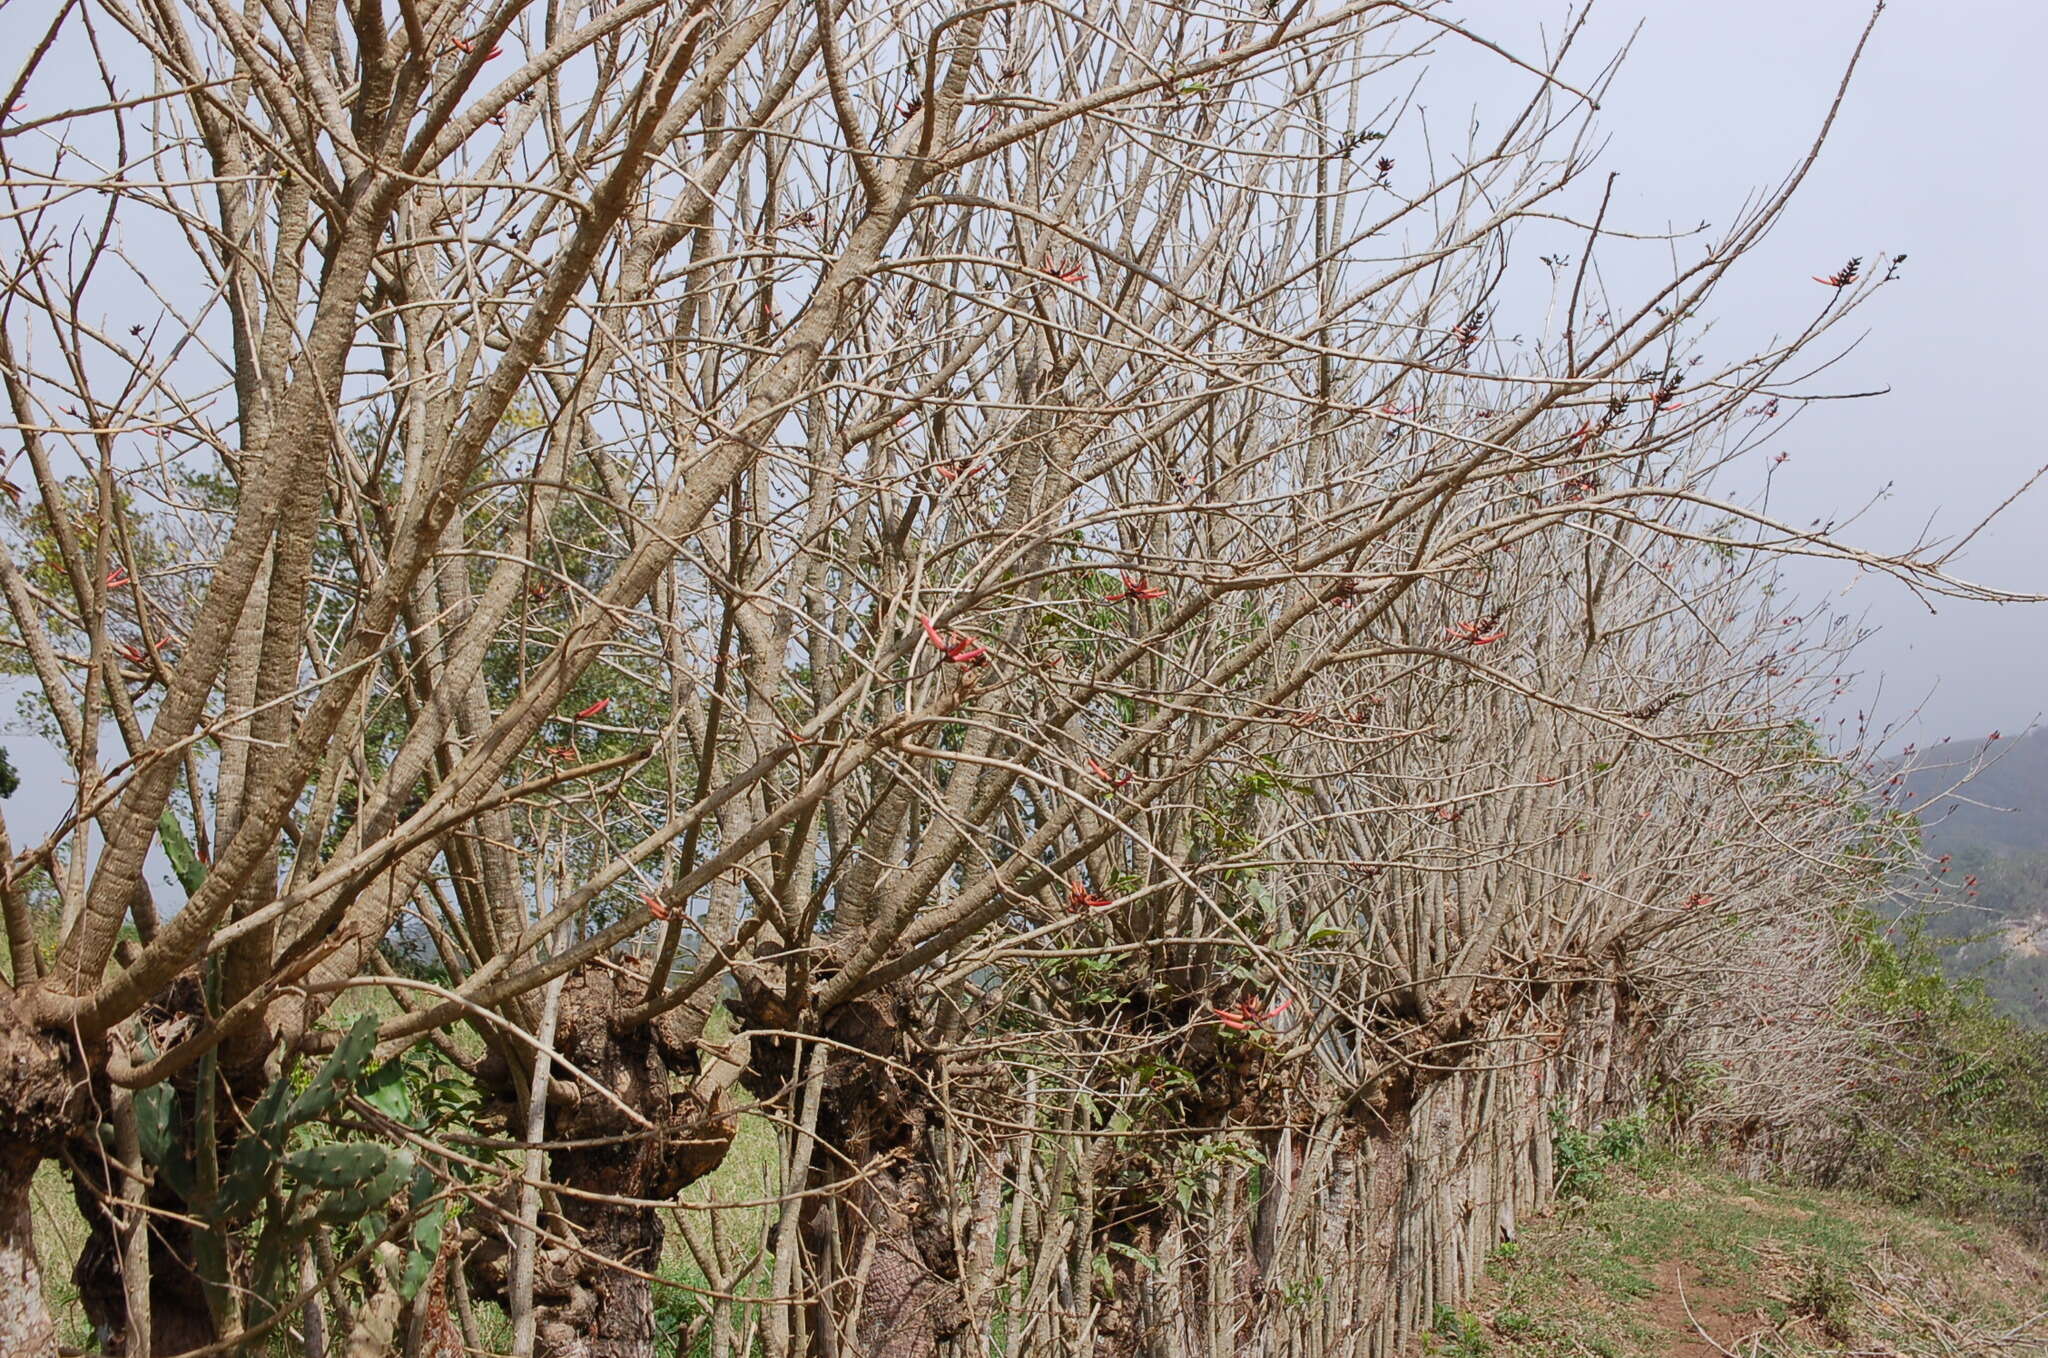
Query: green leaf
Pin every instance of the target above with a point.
(351, 1203)
(426, 1246)
(161, 1134)
(324, 1091)
(384, 1090)
(155, 1112)
(339, 1166)
(249, 1172)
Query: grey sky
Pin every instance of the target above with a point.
(1938, 154)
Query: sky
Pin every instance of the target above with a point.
(1938, 153)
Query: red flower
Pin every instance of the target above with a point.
(118, 577)
(957, 647)
(1136, 589)
(1081, 898)
(1698, 899)
(654, 905)
(1842, 277)
(1249, 1012)
(1066, 270)
(1479, 632)
(957, 468)
(1101, 771)
(600, 705)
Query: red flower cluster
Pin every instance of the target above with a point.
(1479, 632)
(1249, 1012)
(1081, 898)
(957, 647)
(1136, 589)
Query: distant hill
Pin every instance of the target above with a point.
(2002, 809)
(1995, 828)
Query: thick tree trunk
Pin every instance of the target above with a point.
(26, 1327)
(881, 1238)
(41, 1102)
(586, 1302)
(180, 1318)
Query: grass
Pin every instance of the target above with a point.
(1668, 1249)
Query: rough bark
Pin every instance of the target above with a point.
(26, 1327)
(41, 1101)
(180, 1319)
(589, 1301)
(878, 1234)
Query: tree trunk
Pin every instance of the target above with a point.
(41, 1101)
(180, 1318)
(25, 1324)
(585, 1306)
(880, 1239)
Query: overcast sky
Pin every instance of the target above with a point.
(1939, 153)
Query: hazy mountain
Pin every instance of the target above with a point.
(1995, 829)
(2001, 809)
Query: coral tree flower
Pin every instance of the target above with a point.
(1478, 632)
(1249, 1012)
(957, 647)
(1137, 589)
(1081, 898)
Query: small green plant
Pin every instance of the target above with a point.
(1581, 1158)
(287, 1178)
(1462, 1331)
(1824, 1297)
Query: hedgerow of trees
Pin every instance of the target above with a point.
(1076, 620)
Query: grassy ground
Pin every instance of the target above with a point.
(1671, 1260)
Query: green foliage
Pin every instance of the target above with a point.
(10, 781)
(1955, 1115)
(1199, 1164)
(288, 1176)
(1824, 1296)
(1457, 1334)
(1581, 1158)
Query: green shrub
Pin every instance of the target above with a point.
(1581, 1158)
(1954, 1112)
